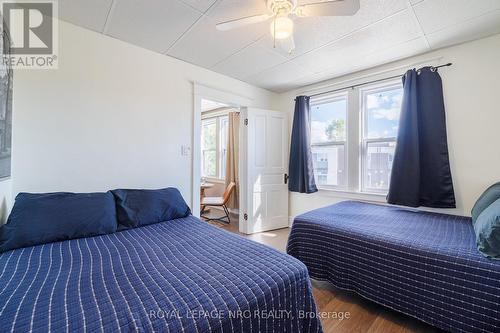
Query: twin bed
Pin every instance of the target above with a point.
(181, 275)
(422, 264)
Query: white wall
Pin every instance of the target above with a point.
(113, 115)
(471, 91)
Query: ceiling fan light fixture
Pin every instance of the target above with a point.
(281, 27)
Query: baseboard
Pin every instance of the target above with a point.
(290, 221)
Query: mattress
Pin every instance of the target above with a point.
(176, 276)
(422, 264)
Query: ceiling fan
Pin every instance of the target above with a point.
(282, 13)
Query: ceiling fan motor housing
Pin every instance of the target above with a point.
(281, 7)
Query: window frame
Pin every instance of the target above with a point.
(222, 151)
(355, 144)
(218, 119)
(330, 98)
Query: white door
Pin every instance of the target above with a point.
(265, 149)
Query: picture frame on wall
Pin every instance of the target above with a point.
(6, 75)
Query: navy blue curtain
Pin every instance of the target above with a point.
(421, 173)
(301, 177)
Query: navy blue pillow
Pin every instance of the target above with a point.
(135, 208)
(45, 218)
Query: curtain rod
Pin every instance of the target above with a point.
(373, 81)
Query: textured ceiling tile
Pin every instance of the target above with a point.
(201, 5)
(90, 14)
(479, 27)
(205, 46)
(398, 51)
(279, 77)
(250, 61)
(353, 49)
(232, 9)
(154, 24)
(435, 15)
(312, 78)
(358, 63)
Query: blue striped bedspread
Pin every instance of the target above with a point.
(422, 264)
(176, 276)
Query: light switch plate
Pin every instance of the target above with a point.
(185, 150)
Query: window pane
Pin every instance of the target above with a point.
(209, 165)
(328, 121)
(209, 146)
(208, 134)
(223, 146)
(329, 165)
(378, 165)
(382, 109)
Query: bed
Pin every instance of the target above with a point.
(425, 265)
(181, 275)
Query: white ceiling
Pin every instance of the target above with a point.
(208, 105)
(326, 47)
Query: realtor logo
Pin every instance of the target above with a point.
(31, 27)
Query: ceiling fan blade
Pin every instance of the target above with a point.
(328, 8)
(233, 24)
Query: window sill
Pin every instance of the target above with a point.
(356, 195)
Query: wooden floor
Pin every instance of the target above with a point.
(365, 316)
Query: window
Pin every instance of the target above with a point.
(328, 140)
(381, 108)
(353, 137)
(209, 147)
(214, 132)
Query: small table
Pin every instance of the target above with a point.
(203, 187)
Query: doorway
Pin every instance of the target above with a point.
(213, 109)
(219, 163)
(262, 190)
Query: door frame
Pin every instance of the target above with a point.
(200, 92)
